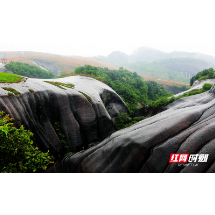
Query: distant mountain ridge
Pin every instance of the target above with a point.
(152, 62)
(150, 55)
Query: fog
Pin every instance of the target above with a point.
(90, 50)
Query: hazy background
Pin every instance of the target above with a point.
(95, 49)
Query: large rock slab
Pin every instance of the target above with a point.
(81, 122)
(146, 146)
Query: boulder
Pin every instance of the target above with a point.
(81, 121)
(187, 126)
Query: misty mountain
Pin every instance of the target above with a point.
(146, 54)
(117, 58)
(144, 58)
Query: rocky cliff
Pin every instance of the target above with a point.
(83, 112)
(185, 127)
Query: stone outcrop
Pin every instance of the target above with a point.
(80, 121)
(187, 126)
(184, 126)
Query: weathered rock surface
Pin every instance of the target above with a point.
(188, 126)
(81, 122)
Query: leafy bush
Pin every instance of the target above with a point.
(124, 121)
(31, 90)
(207, 86)
(205, 74)
(17, 153)
(165, 101)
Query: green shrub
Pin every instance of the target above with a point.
(165, 101)
(124, 121)
(31, 90)
(205, 74)
(207, 86)
(17, 153)
(121, 120)
(11, 90)
(10, 94)
(138, 118)
(28, 70)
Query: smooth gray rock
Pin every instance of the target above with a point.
(81, 122)
(187, 126)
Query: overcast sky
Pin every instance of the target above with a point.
(95, 49)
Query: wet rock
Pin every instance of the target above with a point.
(80, 121)
(187, 126)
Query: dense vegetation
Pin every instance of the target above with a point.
(124, 120)
(176, 89)
(17, 153)
(130, 86)
(205, 74)
(9, 78)
(28, 70)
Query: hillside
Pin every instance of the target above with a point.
(50, 61)
(164, 81)
(134, 91)
(155, 63)
(78, 114)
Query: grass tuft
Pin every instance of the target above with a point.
(11, 90)
(9, 78)
(88, 98)
(59, 84)
(31, 90)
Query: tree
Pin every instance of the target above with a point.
(207, 86)
(17, 153)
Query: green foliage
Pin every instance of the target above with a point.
(31, 90)
(11, 90)
(88, 98)
(156, 91)
(28, 70)
(165, 101)
(9, 78)
(121, 121)
(17, 153)
(10, 94)
(178, 89)
(207, 86)
(205, 74)
(129, 86)
(66, 149)
(124, 121)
